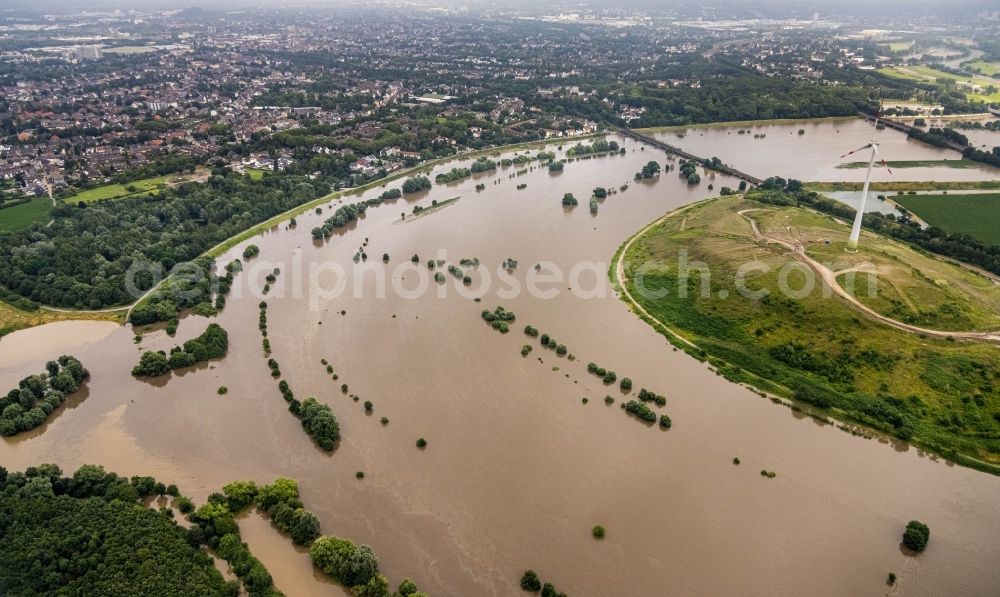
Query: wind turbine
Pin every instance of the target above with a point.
(852, 240)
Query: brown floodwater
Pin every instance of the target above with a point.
(983, 139)
(815, 154)
(517, 469)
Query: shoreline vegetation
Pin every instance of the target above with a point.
(142, 544)
(420, 211)
(935, 393)
(421, 169)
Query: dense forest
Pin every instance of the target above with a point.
(82, 259)
(89, 535)
(742, 96)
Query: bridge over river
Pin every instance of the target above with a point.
(689, 156)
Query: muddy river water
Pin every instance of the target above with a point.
(777, 149)
(517, 468)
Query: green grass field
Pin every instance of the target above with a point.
(904, 186)
(977, 215)
(256, 173)
(145, 185)
(941, 395)
(899, 46)
(116, 191)
(917, 164)
(987, 68)
(24, 215)
(926, 74)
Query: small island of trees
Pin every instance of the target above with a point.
(689, 172)
(251, 251)
(37, 396)
(640, 410)
(498, 319)
(211, 344)
(916, 535)
(598, 147)
(344, 215)
(416, 184)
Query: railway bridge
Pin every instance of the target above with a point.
(723, 168)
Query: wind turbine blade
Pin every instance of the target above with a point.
(855, 150)
(882, 159)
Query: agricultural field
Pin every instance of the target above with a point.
(818, 348)
(977, 215)
(25, 214)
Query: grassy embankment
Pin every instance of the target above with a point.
(430, 209)
(424, 168)
(941, 395)
(977, 215)
(13, 319)
(901, 164)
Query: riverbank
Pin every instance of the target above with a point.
(13, 319)
(857, 370)
(424, 168)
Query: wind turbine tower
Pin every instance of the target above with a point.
(852, 240)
